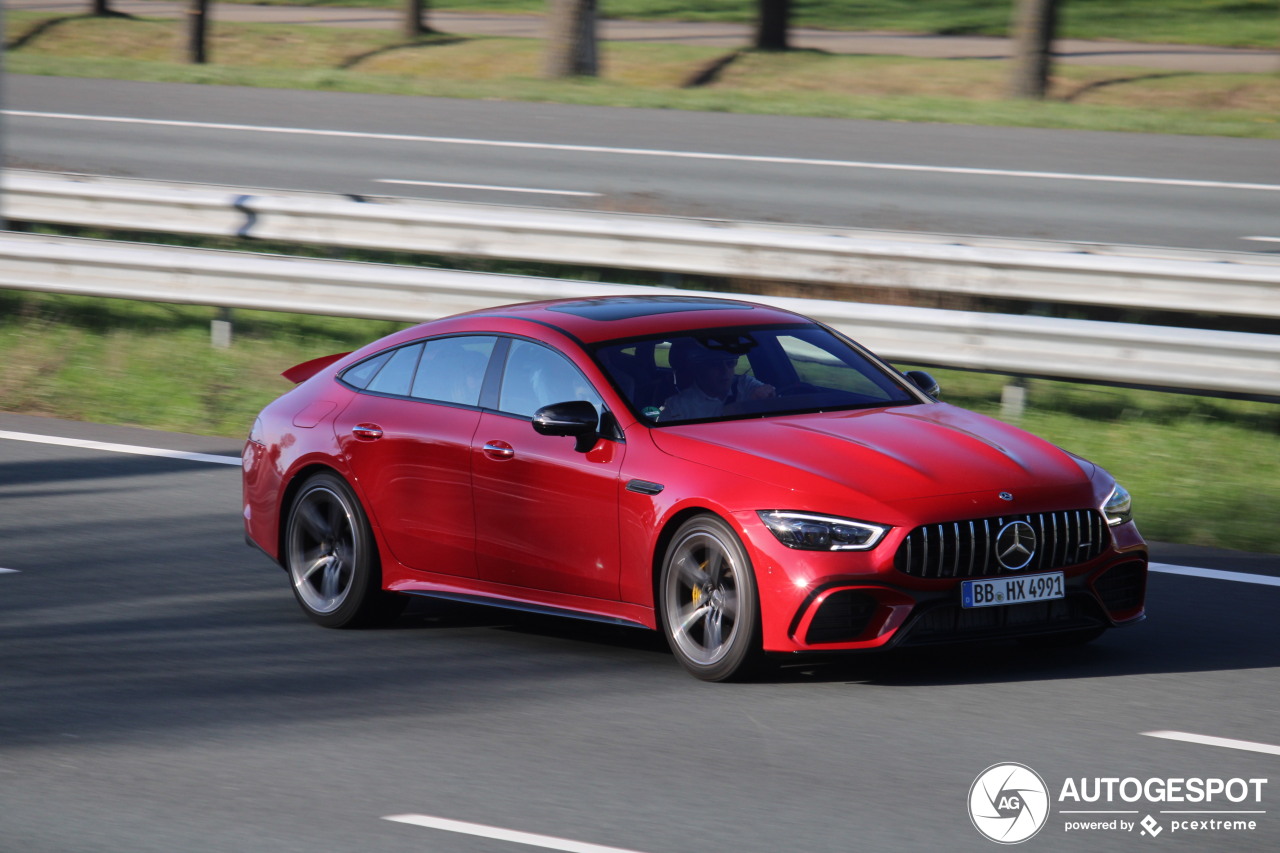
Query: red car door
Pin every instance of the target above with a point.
(411, 452)
(546, 515)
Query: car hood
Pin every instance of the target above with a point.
(894, 455)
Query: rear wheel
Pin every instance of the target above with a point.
(333, 560)
(708, 601)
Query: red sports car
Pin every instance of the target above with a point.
(741, 478)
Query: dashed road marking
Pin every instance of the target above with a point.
(1210, 740)
(486, 187)
(548, 842)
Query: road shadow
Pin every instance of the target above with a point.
(1193, 625)
(1119, 81)
(1186, 631)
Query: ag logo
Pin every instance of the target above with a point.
(1016, 545)
(1008, 803)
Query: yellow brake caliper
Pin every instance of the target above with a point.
(697, 590)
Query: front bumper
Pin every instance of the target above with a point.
(828, 602)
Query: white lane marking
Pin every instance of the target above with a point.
(1263, 239)
(549, 842)
(8, 571)
(1210, 740)
(1215, 574)
(119, 448)
(650, 152)
(486, 187)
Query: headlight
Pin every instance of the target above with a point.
(809, 532)
(1119, 507)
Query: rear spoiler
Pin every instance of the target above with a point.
(302, 372)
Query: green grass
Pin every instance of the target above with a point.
(1232, 23)
(1202, 471)
(801, 83)
(151, 364)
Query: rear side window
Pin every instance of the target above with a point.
(396, 376)
(360, 375)
(451, 370)
(445, 370)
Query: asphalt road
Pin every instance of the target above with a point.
(162, 692)
(1193, 192)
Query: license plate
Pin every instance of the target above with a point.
(1001, 591)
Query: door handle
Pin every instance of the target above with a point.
(498, 450)
(368, 432)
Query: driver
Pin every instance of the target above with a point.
(709, 387)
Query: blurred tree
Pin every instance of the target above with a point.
(1035, 23)
(773, 22)
(101, 8)
(197, 31)
(414, 22)
(571, 39)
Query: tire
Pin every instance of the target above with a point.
(708, 603)
(332, 558)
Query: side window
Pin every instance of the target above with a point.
(397, 374)
(452, 369)
(359, 375)
(536, 376)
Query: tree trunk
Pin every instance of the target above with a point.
(100, 8)
(1035, 23)
(571, 39)
(197, 31)
(413, 24)
(773, 21)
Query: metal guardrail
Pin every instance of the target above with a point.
(1173, 358)
(1238, 284)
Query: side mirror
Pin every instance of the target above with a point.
(577, 418)
(924, 382)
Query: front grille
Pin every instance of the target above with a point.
(1123, 587)
(966, 549)
(951, 622)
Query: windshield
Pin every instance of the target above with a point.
(718, 374)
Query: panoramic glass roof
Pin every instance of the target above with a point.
(628, 308)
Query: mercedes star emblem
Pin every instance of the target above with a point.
(1016, 545)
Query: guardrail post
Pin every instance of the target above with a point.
(1013, 400)
(220, 329)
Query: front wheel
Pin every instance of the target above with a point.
(332, 559)
(708, 601)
